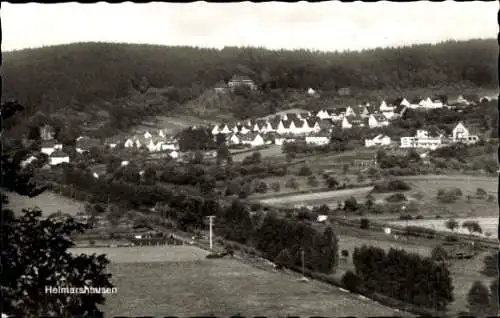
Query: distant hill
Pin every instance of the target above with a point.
(127, 80)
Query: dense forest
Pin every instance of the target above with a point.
(102, 76)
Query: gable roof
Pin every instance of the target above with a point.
(240, 78)
(379, 117)
(400, 109)
(286, 123)
(249, 137)
(311, 122)
(325, 124)
(298, 123)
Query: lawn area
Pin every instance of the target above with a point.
(48, 202)
(188, 285)
(170, 125)
(428, 186)
(271, 151)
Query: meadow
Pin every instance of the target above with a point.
(158, 281)
(48, 202)
(327, 197)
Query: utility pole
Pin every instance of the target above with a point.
(302, 257)
(210, 218)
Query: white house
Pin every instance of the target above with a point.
(311, 92)
(322, 218)
(377, 120)
(234, 140)
(349, 122)
(244, 130)
(161, 133)
(385, 108)
(323, 114)
(239, 80)
(252, 139)
(280, 129)
(404, 102)
(235, 129)
(28, 161)
(349, 112)
(461, 134)
(421, 140)
(124, 163)
(380, 140)
(147, 135)
(215, 130)
(226, 129)
(321, 138)
(129, 143)
(174, 154)
(58, 157)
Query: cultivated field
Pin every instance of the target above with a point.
(327, 197)
(177, 285)
(170, 125)
(271, 151)
(488, 225)
(48, 202)
(428, 186)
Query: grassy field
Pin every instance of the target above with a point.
(158, 281)
(272, 151)
(170, 125)
(428, 187)
(48, 202)
(327, 197)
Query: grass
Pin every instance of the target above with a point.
(271, 151)
(428, 186)
(48, 202)
(327, 197)
(187, 285)
(170, 125)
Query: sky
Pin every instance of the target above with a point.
(325, 26)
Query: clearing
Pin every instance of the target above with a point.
(48, 202)
(327, 197)
(220, 287)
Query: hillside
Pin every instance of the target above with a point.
(116, 86)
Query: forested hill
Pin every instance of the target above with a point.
(51, 78)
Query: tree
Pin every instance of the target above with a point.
(451, 224)
(35, 251)
(365, 224)
(439, 254)
(481, 193)
(304, 171)
(284, 258)
(292, 183)
(369, 201)
(275, 186)
(351, 204)
(472, 226)
(312, 181)
(331, 182)
(223, 153)
(490, 265)
(478, 299)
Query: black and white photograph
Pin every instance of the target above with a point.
(271, 159)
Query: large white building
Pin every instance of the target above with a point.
(461, 134)
(421, 140)
(378, 141)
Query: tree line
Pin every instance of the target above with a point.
(56, 77)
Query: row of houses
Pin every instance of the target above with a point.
(425, 140)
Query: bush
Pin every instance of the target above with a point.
(452, 238)
(312, 181)
(351, 281)
(405, 217)
(365, 224)
(448, 196)
(304, 171)
(396, 197)
(275, 186)
(345, 253)
(292, 183)
(419, 217)
(391, 186)
(351, 204)
(261, 187)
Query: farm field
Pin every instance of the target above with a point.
(487, 224)
(170, 125)
(428, 187)
(328, 197)
(48, 202)
(189, 285)
(271, 151)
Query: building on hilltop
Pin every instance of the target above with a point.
(241, 80)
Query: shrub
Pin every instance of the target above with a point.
(452, 238)
(481, 193)
(391, 186)
(419, 217)
(312, 181)
(345, 253)
(365, 224)
(292, 183)
(405, 217)
(396, 197)
(351, 204)
(261, 187)
(275, 186)
(448, 196)
(304, 171)
(351, 281)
